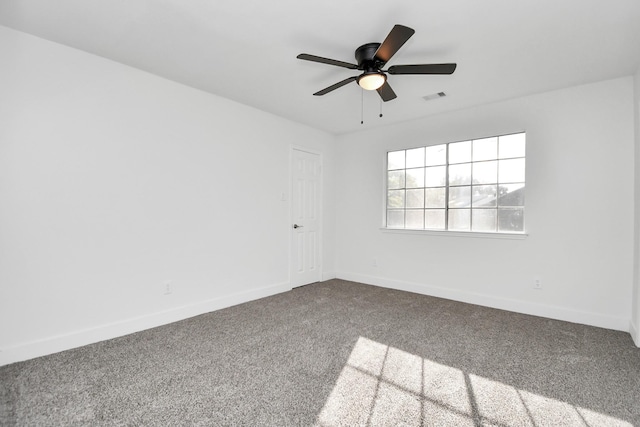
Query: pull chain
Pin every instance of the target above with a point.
(361, 106)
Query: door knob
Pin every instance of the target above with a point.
(297, 226)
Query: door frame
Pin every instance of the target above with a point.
(320, 204)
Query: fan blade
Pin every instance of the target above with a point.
(322, 60)
(397, 37)
(335, 86)
(422, 69)
(386, 93)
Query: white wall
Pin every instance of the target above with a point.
(114, 181)
(579, 209)
(635, 318)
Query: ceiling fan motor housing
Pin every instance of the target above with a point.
(365, 55)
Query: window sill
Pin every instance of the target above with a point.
(472, 234)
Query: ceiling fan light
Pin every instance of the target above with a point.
(372, 81)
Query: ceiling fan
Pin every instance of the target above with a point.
(372, 57)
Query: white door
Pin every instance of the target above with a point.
(306, 199)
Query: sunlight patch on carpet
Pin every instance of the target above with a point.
(382, 385)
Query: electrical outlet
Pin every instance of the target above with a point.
(537, 283)
(374, 263)
(168, 289)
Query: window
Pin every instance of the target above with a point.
(475, 185)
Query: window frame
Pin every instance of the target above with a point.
(446, 231)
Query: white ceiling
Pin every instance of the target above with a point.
(246, 50)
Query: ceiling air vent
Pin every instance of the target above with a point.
(434, 96)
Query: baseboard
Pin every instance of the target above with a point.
(328, 275)
(635, 333)
(518, 306)
(33, 349)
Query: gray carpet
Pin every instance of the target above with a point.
(337, 353)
